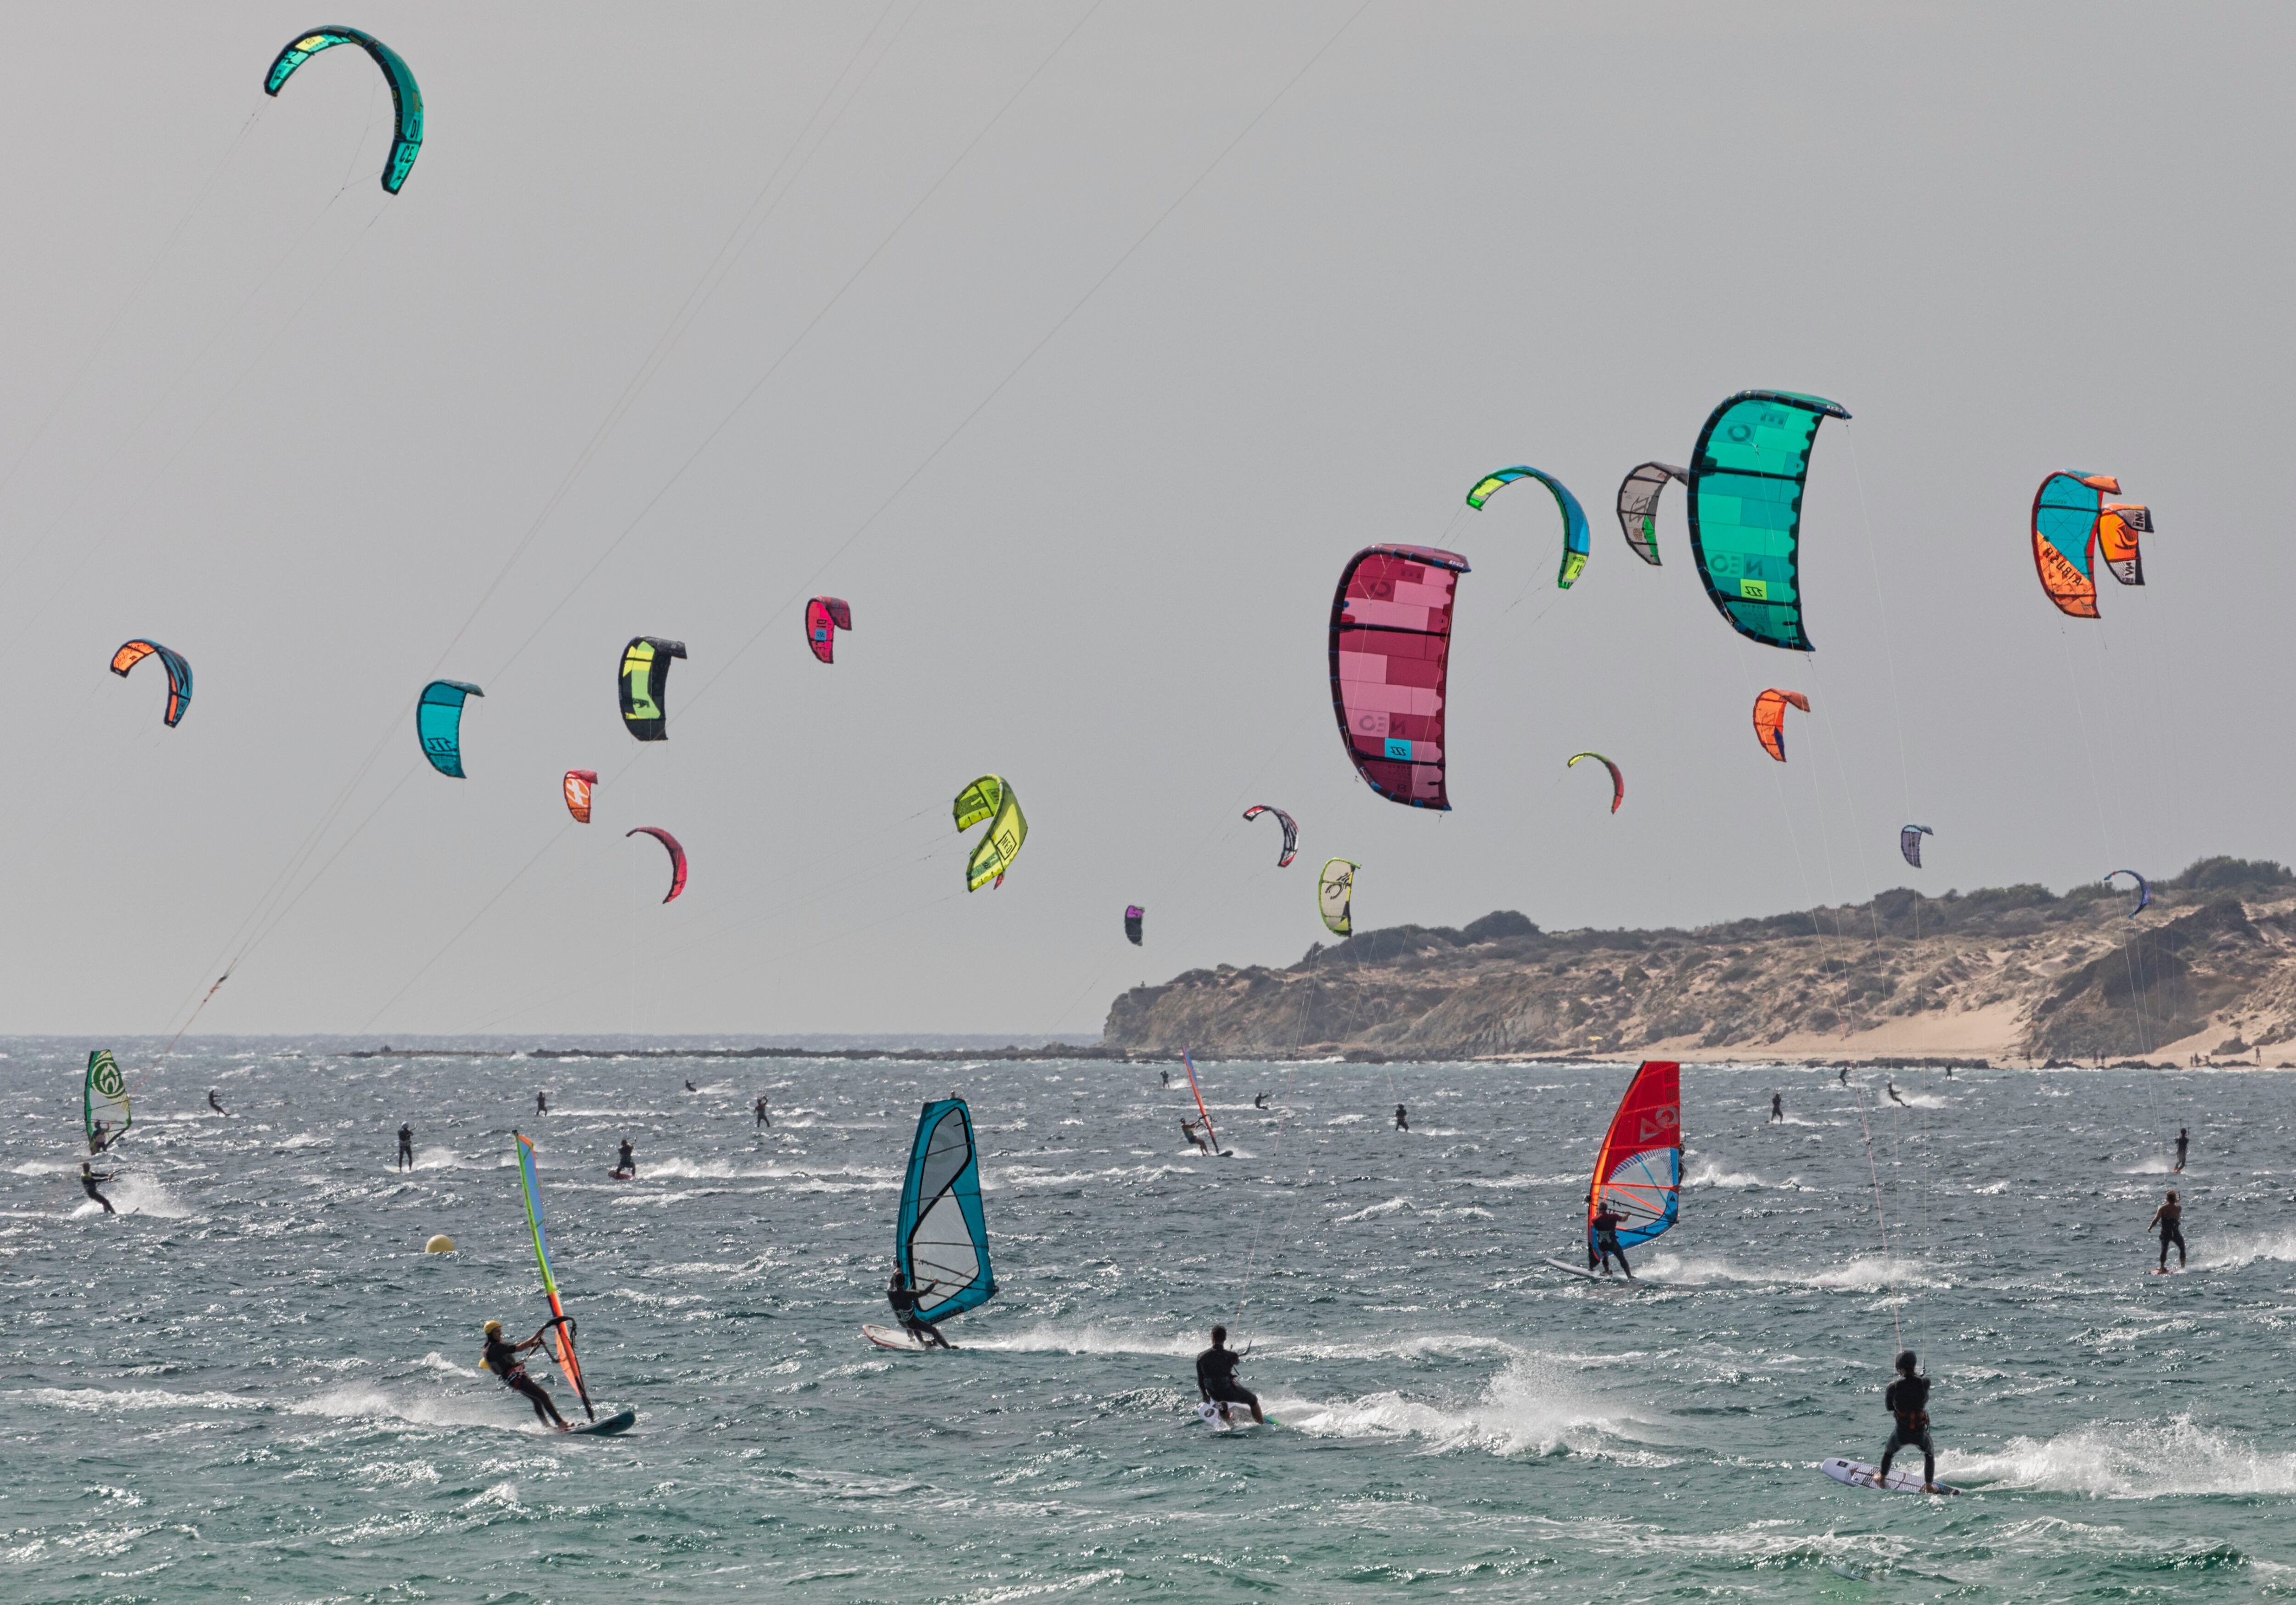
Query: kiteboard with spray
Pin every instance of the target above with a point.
(940, 1239)
(1638, 1170)
(560, 1325)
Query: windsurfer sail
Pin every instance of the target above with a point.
(941, 1241)
(1638, 1174)
(1203, 1113)
(562, 1324)
(103, 1101)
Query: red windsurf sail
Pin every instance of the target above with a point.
(1638, 1174)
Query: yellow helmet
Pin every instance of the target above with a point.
(494, 1328)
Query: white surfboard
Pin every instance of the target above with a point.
(896, 1337)
(1564, 1265)
(1230, 1418)
(1858, 1474)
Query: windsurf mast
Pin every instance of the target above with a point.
(562, 1324)
(1639, 1172)
(1204, 1113)
(940, 1239)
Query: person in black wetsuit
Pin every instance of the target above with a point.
(1260, 1101)
(903, 1300)
(691, 1087)
(1908, 1399)
(88, 1179)
(1166, 1075)
(2170, 1217)
(405, 1161)
(502, 1358)
(1216, 1377)
(1777, 1105)
(2184, 1141)
(1893, 1094)
(214, 1105)
(1845, 1074)
(626, 1162)
(1402, 1120)
(1605, 1224)
(764, 1118)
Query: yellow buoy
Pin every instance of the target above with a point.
(440, 1244)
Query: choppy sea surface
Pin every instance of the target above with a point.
(253, 1384)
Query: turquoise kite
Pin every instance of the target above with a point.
(439, 721)
(406, 95)
(1575, 545)
(1746, 509)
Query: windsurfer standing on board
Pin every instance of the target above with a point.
(1216, 1376)
(903, 1300)
(1605, 1224)
(1188, 1130)
(502, 1358)
(1908, 1399)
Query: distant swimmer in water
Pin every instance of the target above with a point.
(502, 1358)
(764, 1118)
(1188, 1130)
(1216, 1376)
(1260, 1101)
(88, 1179)
(2183, 1142)
(214, 1105)
(1606, 1224)
(2168, 1218)
(1893, 1092)
(405, 1148)
(1908, 1399)
(1777, 1105)
(626, 1164)
(904, 1298)
(1402, 1120)
(541, 1103)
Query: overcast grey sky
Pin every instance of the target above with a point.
(1084, 425)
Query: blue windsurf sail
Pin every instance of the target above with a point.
(941, 1241)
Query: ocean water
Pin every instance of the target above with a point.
(252, 1384)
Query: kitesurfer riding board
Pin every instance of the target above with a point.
(1858, 1474)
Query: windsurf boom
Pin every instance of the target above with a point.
(940, 1239)
(1639, 1172)
(562, 1324)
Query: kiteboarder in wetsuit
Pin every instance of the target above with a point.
(2167, 1218)
(1402, 1120)
(1777, 1105)
(1260, 1101)
(405, 1161)
(1908, 1399)
(502, 1358)
(1167, 1075)
(2183, 1142)
(764, 1118)
(1893, 1094)
(541, 1103)
(903, 1300)
(691, 1087)
(214, 1105)
(88, 1179)
(1605, 1224)
(1845, 1074)
(1216, 1377)
(626, 1164)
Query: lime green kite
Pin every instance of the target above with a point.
(994, 853)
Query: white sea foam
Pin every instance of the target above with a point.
(2131, 1461)
(1374, 1211)
(1868, 1275)
(1709, 1173)
(2246, 1248)
(1535, 1406)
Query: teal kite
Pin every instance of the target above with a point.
(406, 95)
(439, 721)
(1746, 509)
(1575, 545)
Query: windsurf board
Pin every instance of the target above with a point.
(1858, 1474)
(895, 1337)
(1564, 1265)
(606, 1427)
